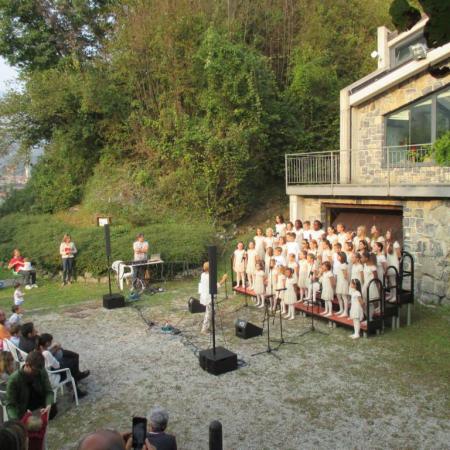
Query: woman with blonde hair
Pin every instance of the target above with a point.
(67, 250)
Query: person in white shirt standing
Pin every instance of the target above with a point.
(140, 250)
(205, 296)
(67, 250)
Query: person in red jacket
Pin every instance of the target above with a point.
(21, 266)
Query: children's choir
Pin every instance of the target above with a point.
(298, 262)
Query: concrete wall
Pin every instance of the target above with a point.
(426, 237)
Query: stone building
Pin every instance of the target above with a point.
(384, 171)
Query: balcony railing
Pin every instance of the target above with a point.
(395, 165)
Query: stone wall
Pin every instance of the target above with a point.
(368, 157)
(426, 236)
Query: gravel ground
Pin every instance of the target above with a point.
(328, 392)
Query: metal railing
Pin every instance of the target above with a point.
(313, 168)
(392, 165)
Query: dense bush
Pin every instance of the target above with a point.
(441, 150)
(39, 236)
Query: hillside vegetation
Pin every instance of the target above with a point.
(155, 109)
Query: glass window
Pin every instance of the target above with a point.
(442, 113)
(403, 53)
(421, 122)
(397, 128)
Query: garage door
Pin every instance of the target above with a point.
(354, 215)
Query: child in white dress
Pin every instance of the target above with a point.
(292, 263)
(290, 299)
(328, 285)
(340, 230)
(357, 268)
(267, 259)
(357, 308)
(381, 260)
(326, 254)
(239, 264)
(312, 282)
(298, 230)
(258, 286)
(313, 248)
(370, 272)
(278, 256)
(292, 245)
(331, 237)
(279, 294)
(337, 248)
(260, 243)
(271, 284)
(251, 264)
(269, 239)
(280, 226)
(342, 284)
(307, 230)
(302, 274)
(392, 261)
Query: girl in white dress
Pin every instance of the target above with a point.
(328, 285)
(239, 264)
(370, 272)
(298, 230)
(331, 237)
(280, 226)
(361, 235)
(357, 268)
(289, 228)
(251, 264)
(267, 259)
(292, 264)
(302, 274)
(326, 254)
(337, 248)
(342, 284)
(312, 282)
(260, 245)
(314, 248)
(381, 260)
(290, 299)
(292, 245)
(282, 244)
(340, 230)
(307, 230)
(392, 261)
(258, 286)
(375, 236)
(357, 308)
(281, 284)
(269, 239)
(271, 284)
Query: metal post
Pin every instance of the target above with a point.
(408, 314)
(215, 435)
(213, 324)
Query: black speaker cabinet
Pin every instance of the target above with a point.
(113, 301)
(246, 330)
(220, 362)
(195, 306)
(212, 259)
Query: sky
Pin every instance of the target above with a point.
(7, 75)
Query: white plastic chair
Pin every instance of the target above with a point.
(19, 355)
(60, 386)
(121, 271)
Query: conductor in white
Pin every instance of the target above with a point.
(205, 297)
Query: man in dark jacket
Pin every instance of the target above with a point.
(158, 421)
(29, 388)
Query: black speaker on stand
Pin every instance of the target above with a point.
(216, 360)
(111, 301)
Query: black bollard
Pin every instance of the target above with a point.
(215, 435)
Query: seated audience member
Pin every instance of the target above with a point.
(21, 265)
(109, 440)
(28, 338)
(158, 420)
(4, 333)
(13, 436)
(14, 330)
(16, 317)
(67, 358)
(29, 389)
(6, 368)
(48, 350)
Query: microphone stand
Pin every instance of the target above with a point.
(281, 341)
(268, 349)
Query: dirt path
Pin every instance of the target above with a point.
(327, 392)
